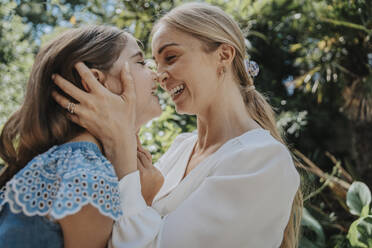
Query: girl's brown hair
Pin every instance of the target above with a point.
(213, 27)
(40, 122)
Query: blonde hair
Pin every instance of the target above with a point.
(213, 27)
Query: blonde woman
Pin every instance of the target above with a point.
(231, 184)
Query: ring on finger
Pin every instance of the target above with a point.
(71, 107)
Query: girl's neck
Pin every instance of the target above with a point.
(85, 136)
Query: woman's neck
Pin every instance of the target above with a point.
(224, 119)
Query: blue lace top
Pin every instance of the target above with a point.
(51, 186)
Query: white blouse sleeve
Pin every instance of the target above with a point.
(245, 202)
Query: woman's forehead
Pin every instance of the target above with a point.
(166, 35)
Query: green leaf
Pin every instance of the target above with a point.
(360, 232)
(365, 211)
(357, 197)
(309, 222)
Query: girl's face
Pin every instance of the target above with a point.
(147, 103)
(186, 71)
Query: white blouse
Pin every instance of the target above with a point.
(240, 196)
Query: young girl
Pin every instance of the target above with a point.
(58, 189)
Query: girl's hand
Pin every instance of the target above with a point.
(151, 177)
(107, 116)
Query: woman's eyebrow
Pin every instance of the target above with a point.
(163, 47)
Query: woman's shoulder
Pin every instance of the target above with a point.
(259, 141)
(255, 151)
(62, 180)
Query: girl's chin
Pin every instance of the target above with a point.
(156, 112)
(147, 116)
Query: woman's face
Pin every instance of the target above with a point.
(185, 70)
(147, 103)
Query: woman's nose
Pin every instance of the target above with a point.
(162, 78)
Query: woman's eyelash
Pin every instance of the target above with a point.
(142, 62)
(169, 58)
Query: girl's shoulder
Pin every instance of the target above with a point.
(61, 181)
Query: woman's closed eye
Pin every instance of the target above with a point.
(170, 58)
(142, 62)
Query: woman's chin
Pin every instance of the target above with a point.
(183, 111)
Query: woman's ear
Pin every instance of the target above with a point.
(99, 75)
(226, 54)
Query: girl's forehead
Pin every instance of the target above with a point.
(132, 43)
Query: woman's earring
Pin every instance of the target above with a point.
(222, 71)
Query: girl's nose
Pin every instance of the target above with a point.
(155, 76)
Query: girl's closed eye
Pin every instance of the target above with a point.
(142, 62)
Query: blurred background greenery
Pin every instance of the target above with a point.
(315, 59)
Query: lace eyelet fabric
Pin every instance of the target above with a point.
(61, 181)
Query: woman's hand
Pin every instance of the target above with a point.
(151, 177)
(107, 116)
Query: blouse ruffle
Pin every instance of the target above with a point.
(61, 181)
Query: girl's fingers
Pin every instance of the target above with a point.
(141, 158)
(69, 88)
(129, 92)
(140, 166)
(147, 154)
(139, 145)
(143, 150)
(144, 160)
(88, 77)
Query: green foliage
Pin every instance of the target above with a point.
(314, 230)
(292, 122)
(16, 57)
(358, 200)
(315, 59)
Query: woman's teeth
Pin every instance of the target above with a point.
(177, 90)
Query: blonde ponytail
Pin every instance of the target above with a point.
(213, 27)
